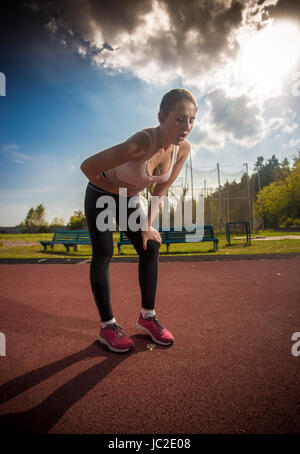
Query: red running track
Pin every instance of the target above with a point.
(231, 369)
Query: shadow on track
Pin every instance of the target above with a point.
(43, 417)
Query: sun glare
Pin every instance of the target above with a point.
(269, 55)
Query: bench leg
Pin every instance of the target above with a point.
(52, 246)
(119, 250)
(67, 247)
(75, 247)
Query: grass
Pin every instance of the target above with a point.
(20, 246)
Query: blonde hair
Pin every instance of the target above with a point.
(174, 96)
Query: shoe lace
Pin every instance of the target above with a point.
(157, 322)
(118, 330)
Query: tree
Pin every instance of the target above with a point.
(35, 220)
(281, 198)
(275, 200)
(77, 221)
(267, 172)
(57, 222)
(259, 163)
(282, 171)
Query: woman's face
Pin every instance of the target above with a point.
(179, 122)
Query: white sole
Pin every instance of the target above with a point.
(116, 350)
(145, 330)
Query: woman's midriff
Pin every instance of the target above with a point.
(104, 184)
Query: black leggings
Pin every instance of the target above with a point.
(102, 252)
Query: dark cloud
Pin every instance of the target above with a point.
(113, 17)
(75, 23)
(199, 37)
(213, 20)
(284, 9)
(211, 23)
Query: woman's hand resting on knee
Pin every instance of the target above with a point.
(150, 234)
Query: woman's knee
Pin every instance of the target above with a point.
(152, 250)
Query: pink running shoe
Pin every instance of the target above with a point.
(151, 326)
(115, 339)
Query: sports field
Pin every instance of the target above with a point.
(230, 370)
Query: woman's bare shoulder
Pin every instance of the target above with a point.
(141, 139)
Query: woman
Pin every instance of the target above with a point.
(152, 155)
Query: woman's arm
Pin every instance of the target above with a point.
(136, 147)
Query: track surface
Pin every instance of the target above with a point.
(231, 369)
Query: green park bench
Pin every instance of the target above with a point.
(72, 238)
(69, 238)
(179, 236)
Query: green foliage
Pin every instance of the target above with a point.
(289, 222)
(35, 220)
(281, 198)
(264, 174)
(77, 221)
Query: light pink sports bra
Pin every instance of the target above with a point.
(136, 173)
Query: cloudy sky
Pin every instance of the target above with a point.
(78, 76)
